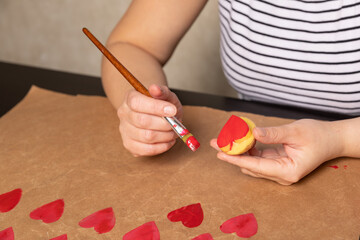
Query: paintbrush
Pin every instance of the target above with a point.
(175, 124)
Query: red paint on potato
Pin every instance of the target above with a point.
(235, 128)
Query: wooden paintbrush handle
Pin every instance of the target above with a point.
(126, 73)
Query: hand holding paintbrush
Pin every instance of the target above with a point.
(175, 124)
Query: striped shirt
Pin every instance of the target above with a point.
(303, 53)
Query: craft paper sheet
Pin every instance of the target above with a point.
(55, 146)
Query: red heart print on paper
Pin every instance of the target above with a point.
(147, 231)
(62, 237)
(244, 225)
(7, 234)
(205, 236)
(102, 221)
(50, 212)
(9, 200)
(191, 216)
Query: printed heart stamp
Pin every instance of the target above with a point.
(244, 225)
(102, 221)
(9, 200)
(205, 236)
(191, 216)
(62, 237)
(147, 231)
(7, 234)
(50, 212)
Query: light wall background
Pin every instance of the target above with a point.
(48, 34)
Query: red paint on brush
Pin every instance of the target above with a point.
(50, 212)
(147, 231)
(192, 143)
(244, 225)
(9, 200)
(184, 132)
(102, 221)
(334, 167)
(205, 236)
(7, 234)
(62, 237)
(191, 216)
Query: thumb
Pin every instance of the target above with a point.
(270, 135)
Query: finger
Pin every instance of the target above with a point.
(263, 166)
(213, 143)
(255, 152)
(148, 121)
(157, 92)
(247, 172)
(164, 93)
(147, 135)
(271, 135)
(256, 175)
(140, 103)
(273, 153)
(144, 149)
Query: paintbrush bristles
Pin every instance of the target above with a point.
(127, 75)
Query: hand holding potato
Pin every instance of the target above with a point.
(304, 145)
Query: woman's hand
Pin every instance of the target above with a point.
(143, 130)
(305, 144)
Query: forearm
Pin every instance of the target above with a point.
(349, 136)
(144, 39)
(145, 67)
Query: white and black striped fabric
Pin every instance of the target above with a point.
(295, 52)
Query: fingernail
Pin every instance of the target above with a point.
(169, 110)
(261, 132)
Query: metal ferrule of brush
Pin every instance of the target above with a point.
(178, 127)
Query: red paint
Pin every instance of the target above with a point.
(244, 225)
(205, 236)
(7, 234)
(147, 231)
(62, 237)
(184, 132)
(334, 167)
(102, 221)
(50, 212)
(9, 200)
(235, 128)
(192, 143)
(345, 166)
(191, 216)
